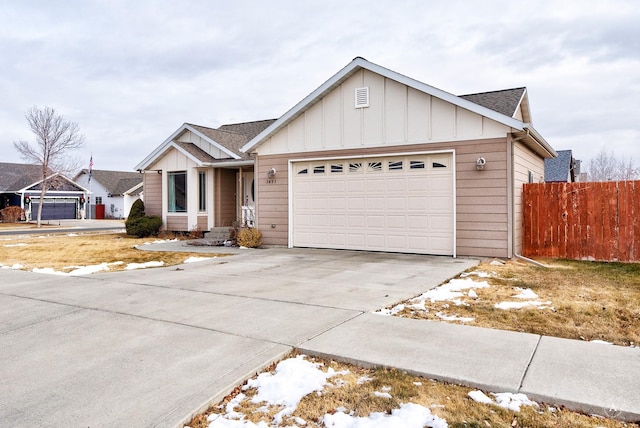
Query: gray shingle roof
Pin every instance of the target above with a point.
(505, 101)
(558, 169)
(195, 151)
(234, 136)
(115, 182)
(16, 176)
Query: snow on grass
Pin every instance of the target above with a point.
(295, 378)
(78, 270)
(22, 244)
(197, 259)
(529, 300)
(132, 266)
(407, 416)
(505, 400)
(15, 266)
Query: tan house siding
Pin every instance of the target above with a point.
(524, 160)
(203, 222)
(152, 193)
(177, 223)
(482, 225)
(225, 196)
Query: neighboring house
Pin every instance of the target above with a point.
(115, 190)
(370, 160)
(563, 168)
(22, 182)
(198, 179)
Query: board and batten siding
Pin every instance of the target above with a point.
(524, 161)
(190, 137)
(398, 115)
(482, 226)
(152, 195)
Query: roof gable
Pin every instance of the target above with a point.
(559, 169)
(227, 138)
(357, 64)
(55, 182)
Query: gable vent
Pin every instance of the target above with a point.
(362, 97)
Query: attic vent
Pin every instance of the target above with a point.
(362, 97)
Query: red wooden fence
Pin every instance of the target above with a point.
(582, 221)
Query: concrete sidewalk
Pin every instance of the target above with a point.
(592, 378)
(153, 347)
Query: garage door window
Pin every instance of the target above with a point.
(337, 168)
(375, 166)
(318, 169)
(395, 165)
(416, 164)
(355, 167)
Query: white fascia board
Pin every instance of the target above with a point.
(212, 142)
(535, 135)
(35, 183)
(361, 63)
(134, 188)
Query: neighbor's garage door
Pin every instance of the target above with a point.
(55, 209)
(398, 204)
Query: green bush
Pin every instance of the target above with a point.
(143, 226)
(249, 237)
(137, 209)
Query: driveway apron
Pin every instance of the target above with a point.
(153, 347)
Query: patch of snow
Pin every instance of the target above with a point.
(520, 305)
(49, 271)
(478, 273)
(512, 401)
(453, 317)
(21, 244)
(472, 293)
(602, 342)
(526, 294)
(293, 379)
(382, 394)
(72, 234)
(451, 291)
(480, 397)
(197, 259)
(393, 311)
(409, 415)
(132, 266)
(506, 400)
(364, 379)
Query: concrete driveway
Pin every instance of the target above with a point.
(152, 347)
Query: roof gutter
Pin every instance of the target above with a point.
(229, 163)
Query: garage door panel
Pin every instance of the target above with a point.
(396, 203)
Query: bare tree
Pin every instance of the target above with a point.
(606, 167)
(55, 138)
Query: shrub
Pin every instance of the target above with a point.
(12, 214)
(137, 209)
(144, 226)
(249, 237)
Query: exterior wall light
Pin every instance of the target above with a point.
(480, 163)
(271, 173)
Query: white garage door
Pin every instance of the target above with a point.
(396, 203)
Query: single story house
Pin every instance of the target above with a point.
(198, 178)
(370, 160)
(21, 185)
(562, 169)
(116, 191)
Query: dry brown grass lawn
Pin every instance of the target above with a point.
(589, 301)
(63, 252)
(446, 401)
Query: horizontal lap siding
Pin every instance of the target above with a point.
(177, 223)
(524, 160)
(481, 200)
(152, 193)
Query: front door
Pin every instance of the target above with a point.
(248, 200)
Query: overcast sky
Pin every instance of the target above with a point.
(130, 73)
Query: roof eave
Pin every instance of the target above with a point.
(536, 141)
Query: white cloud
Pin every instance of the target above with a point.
(134, 72)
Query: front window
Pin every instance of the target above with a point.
(177, 188)
(202, 191)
